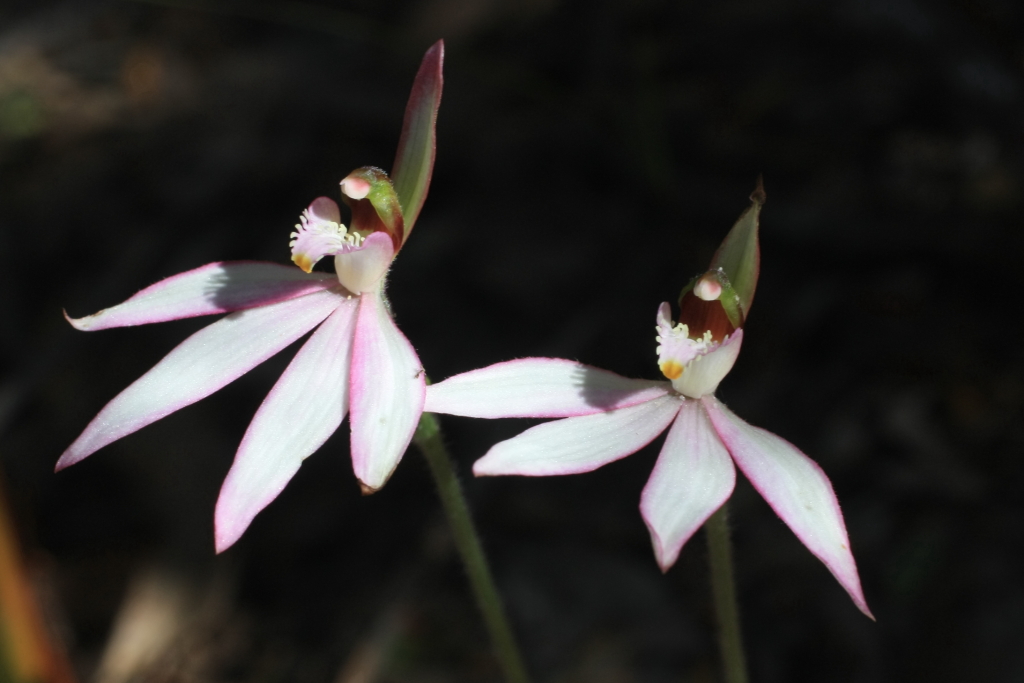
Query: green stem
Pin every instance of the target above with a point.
(428, 438)
(723, 588)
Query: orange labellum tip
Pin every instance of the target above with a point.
(671, 369)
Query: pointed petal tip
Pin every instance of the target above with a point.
(71, 456)
(664, 563)
(663, 556)
(434, 54)
(856, 593)
(228, 523)
(851, 584)
(368, 490)
(758, 196)
(81, 324)
(225, 534)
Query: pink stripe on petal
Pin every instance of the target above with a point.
(213, 288)
(538, 387)
(580, 444)
(202, 364)
(694, 475)
(299, 414)
(386, 393)
(796, 488)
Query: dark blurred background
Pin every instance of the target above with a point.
(591, 155)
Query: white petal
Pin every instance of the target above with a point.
(796, 488)
(299, 414)
(387, 392)
(202, 364)
(694, 475)
(580, 444)
(538, 387)
(213, 288)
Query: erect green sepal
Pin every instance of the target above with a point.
(739, 256)
(414, 161)
(371, 196)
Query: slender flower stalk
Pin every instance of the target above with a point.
(431, 442)
(723, 592)
(607, 417)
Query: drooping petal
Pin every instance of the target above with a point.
(362, 269)
(299, 414)
(694, 475)
(414, 161)
(580, 444)
(213, 288)
(202, 364)
(796, 488)
(538, 387)
(386, 393)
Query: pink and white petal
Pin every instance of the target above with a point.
(299, 414)
(213, 288)
(796, 488)
(362, 269)
(539, 387)
(202, 364)
(694, 475)
(580, 444)
(386, 393)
